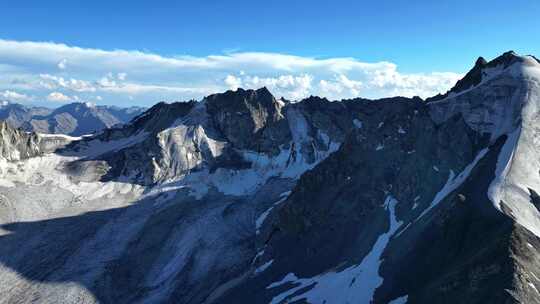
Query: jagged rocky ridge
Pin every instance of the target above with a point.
(16, 144)
(245, 198)
(74, 119)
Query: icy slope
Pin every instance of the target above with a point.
(507, 103)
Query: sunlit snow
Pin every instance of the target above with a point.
(355, 284)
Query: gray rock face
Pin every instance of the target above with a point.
(243, 198)
(72, 119)
(16, 114)
(246, 117)
(16, 144)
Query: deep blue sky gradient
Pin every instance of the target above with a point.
(420, 36)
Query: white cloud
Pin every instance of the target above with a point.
(233, 82)
(53, 82)
(153, 77)
(289, 86)
(14, 96)
(107, 81)
(121, 76)
(58, 97)
(62, 64)
(341, 85)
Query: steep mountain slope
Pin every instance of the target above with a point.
(244, 198)
(459, 207)
(72, 119)
(16, 114)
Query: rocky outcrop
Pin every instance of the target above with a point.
(16, 144)
(481, 71)
(244, 118)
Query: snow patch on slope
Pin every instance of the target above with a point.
(357, 123)
(264, 215)
(187, 146)
(517, 172)
(301, 156)
(400, 300)
(63, 136)
(453, 183)
(95, 147)
(263, 267)
(355, 284)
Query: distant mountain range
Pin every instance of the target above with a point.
(71, 119)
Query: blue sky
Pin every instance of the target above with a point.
(382, 47)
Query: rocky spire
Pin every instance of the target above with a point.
(474, 76)
(240, 114)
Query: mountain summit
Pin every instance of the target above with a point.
(245, 198)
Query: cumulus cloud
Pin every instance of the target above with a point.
(62, 64)
(58, 97)
(107, 81)
(53, 82)
(340, 85)
(42, 68)
(289, 86)
(121, 76)
(14, 96)
(233, 82)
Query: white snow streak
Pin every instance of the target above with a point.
(260, 220)
(400, 300)
(355, 284)
(453, 183)
(357, 123)
(263, 267)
